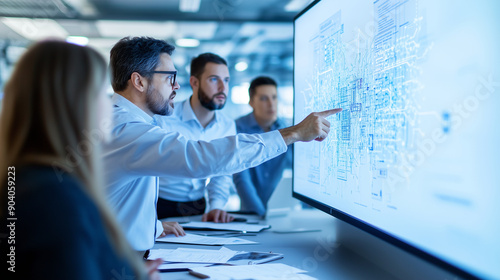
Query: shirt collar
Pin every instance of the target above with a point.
(188, 113)
(120, 101)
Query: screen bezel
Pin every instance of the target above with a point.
(369, 228)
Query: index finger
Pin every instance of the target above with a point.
(181, 231)
(330, 112)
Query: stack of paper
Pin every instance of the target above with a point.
(188, 255)
(234, 226)
(276, 271)
(186, 258)
(175, 266)
(204, 240)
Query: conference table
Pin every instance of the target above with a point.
(317, 252)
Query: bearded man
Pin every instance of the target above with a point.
(199, 118)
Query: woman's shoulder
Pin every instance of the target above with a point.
(43, 175)
(57, 205)
(58, 223)
(47, 182)
(54, 193)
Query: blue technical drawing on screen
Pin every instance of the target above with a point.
(375, 83)
(414, 151)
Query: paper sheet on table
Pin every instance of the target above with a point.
(158, 253)
(204, 240)
(276, 271)
(193, 255)
(179, 266)
(233, 226)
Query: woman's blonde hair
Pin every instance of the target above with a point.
(50, 117)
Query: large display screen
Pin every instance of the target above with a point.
(414, 157)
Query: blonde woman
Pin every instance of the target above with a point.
(54, 116)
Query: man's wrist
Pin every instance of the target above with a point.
(289, 135)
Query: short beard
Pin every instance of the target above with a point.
(209, 104)
(157, 104)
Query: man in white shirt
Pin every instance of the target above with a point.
(144, 80)
(198, 118)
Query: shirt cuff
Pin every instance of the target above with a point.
(216, 204)
(159, 228)
(274, 142)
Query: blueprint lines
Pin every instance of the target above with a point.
(374, 79)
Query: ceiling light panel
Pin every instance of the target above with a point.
(189, 6)
(35, 29)
(296, 5)
(119, 29)
(187, 42)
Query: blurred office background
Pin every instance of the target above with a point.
(254, 36)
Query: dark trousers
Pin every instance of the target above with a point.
(167, 208)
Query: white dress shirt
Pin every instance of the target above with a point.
(140, 151)
(184, 121)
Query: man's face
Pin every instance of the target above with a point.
(160, 93)
(213, 86)
(265, 103)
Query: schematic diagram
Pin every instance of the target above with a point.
(374, 79)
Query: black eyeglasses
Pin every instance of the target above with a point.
(172, 79)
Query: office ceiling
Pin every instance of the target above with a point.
(207, 10)
(258, 32)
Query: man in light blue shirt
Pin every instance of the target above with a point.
(198, 118)
(256, 185)
(144, 80)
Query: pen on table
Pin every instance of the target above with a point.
(146, 255)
